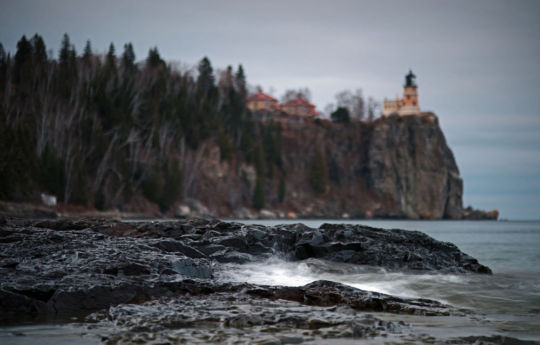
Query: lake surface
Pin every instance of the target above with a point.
(509, 300)
(506, 303)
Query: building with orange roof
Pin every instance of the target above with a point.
(299, 107)
(262, 102)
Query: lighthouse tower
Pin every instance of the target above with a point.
(408, 105)
(409, 102)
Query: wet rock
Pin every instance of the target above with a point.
(80, 265)
(179, 247)
(328, 293)
(237, 318)
(192, 269)
(474, 214)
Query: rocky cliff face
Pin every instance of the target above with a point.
(393, 167)
(411, 169)
(398, 167)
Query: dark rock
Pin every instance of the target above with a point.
(236, 317)
(328, 293)
(134, 269)
(179, 247)
(192, 269)
(80, 266)
(474, 214)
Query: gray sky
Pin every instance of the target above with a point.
(477, 63)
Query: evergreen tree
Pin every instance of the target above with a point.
(206, 79)
(63, 56)
(39, 50)
(2, 53)
(172, 189)
(334, 170)
(260, 160)
(22, 70)
(281, 189)
(110, 59)
(87, 53)
(3, 69)
(258, 194)
(154, 60)
(52, 173)
(240, 80)
(318, 174)
(18, 162)
(341, 115)
(128, 57)
(225, 146)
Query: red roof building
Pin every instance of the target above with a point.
(262, 102)
(299, 107)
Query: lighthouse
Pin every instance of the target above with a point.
(408, 105)
(410, 96)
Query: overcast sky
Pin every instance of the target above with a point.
(477, 63)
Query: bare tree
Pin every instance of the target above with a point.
(291, 94)
(191, 163)
(329, 109)
(372, 108)
(354, 102)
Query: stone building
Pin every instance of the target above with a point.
(299, 107)
(261, 102)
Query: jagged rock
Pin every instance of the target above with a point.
(237, 317)
(413, 169)
(73, 266)
(473, 214)
(192, 269)
(328, 293)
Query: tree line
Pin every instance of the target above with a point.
(96, 129)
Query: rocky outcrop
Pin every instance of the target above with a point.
(393, 167)
(79, 266)
(474, 214)
(412, 170)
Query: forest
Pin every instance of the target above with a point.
(95, 130)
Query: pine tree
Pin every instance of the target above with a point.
(318, 174)
(39, 50)
(128, 58)
(63, 56)
(258, 194)
(341, 115)
(172, 189)
(240, 80)
(87, 54)
(282, 189)
(110, 59)
(206, 79)
(2, 53)
(3, 69)
(154, 60)
(22, 70)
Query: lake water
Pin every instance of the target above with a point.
(506, 303)
(509, 300)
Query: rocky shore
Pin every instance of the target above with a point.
(155, 282)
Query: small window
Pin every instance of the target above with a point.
(414, 103)
(408, 96)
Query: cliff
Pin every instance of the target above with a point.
(394, 167)
(412, 170)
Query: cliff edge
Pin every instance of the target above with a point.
(394, 167)
(412, 170)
